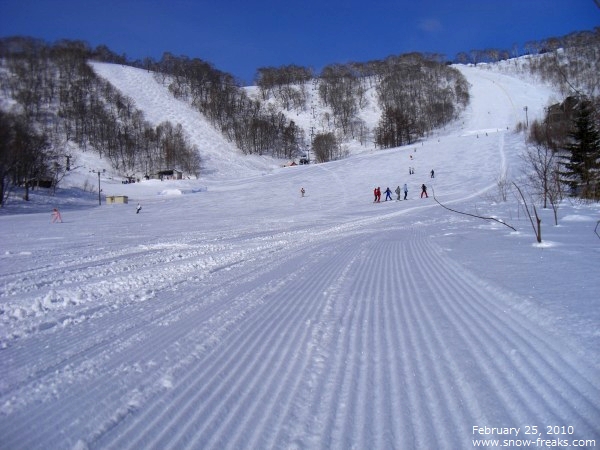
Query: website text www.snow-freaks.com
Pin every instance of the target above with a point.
(539, 442)
(528, 436)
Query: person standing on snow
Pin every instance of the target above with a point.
(388, 194)
(302, 191)
(375, 194)
(432, 174)
(405, 191)
(424, 191)
(378, 194)
(138, 209)
(56, 217)
(398, 193)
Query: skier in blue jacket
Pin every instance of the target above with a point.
(388, 194)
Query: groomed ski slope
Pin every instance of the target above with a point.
(241, 316)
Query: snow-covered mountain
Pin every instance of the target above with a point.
(232, 312)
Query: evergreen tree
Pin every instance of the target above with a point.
(581, 156)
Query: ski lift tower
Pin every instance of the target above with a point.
(99, 189)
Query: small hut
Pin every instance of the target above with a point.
(170, 174)
(112, 199)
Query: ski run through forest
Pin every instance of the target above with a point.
(234, 313)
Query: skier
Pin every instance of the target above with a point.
(405, 187)
(138, 209)
(378, 194)
(302, 191)
(432, 174)
(56, 217)
(375, 194)
(397, 191)
(424, 191)
(388, 194)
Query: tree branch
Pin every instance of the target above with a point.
(472, 215)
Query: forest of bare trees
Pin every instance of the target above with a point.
(416, 92)
(61, 102)
(51, 101)
(563, 155)
(417, 95)
(253, 127)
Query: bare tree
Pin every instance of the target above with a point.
(541, 161)
(555, 194)
(537, 227)
(8, 156)
(503, 186)
(325, 147)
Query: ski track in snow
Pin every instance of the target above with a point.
(302, 361)
(354, 332)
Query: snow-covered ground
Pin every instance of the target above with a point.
(233, 313)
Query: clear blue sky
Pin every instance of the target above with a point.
(239, 36)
